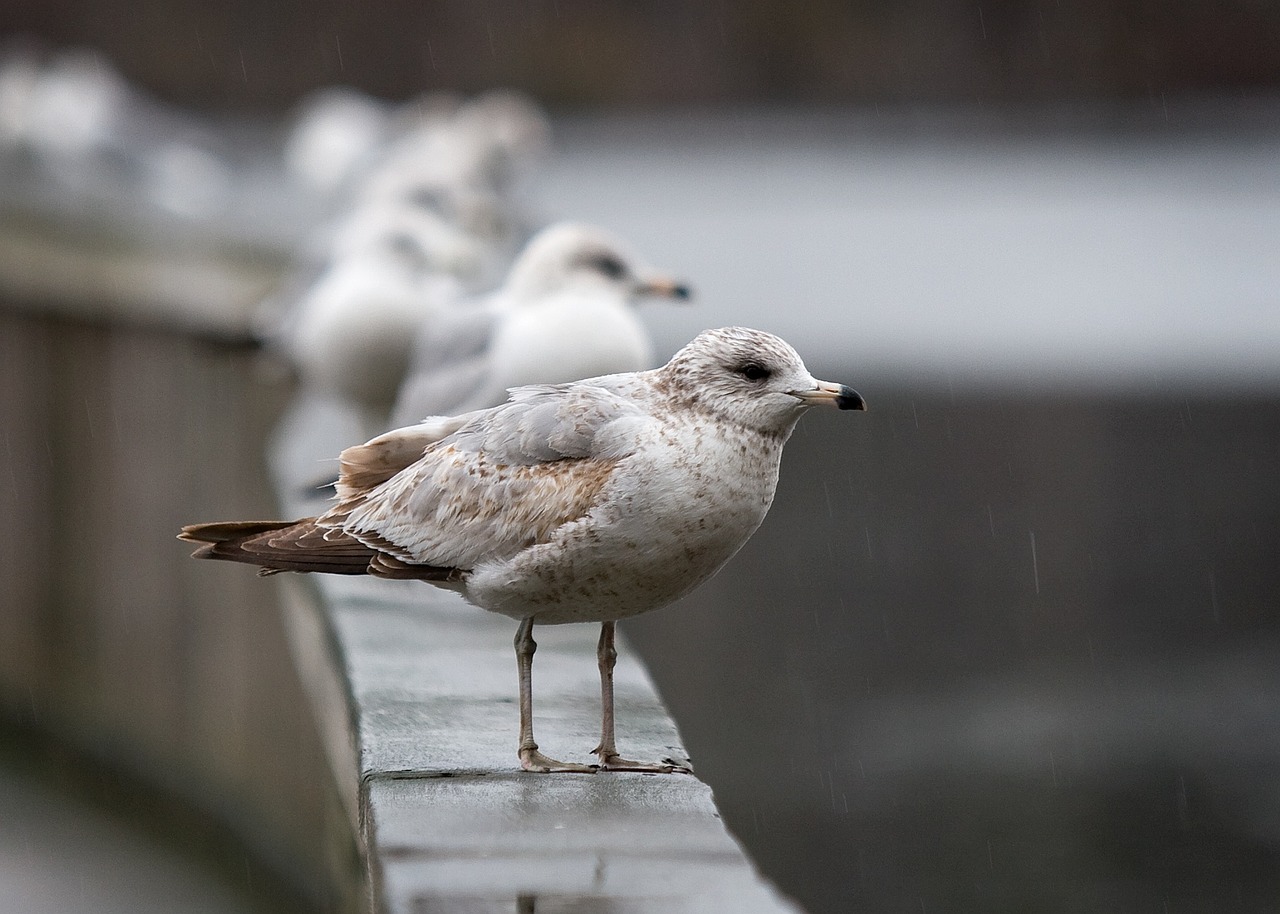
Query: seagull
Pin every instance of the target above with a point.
(350, 335)
(466, 167)
(565, 312)
(590, 501)
(336, 132)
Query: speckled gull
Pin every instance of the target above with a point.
(566, 311)
(583, 502)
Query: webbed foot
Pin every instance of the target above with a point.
(533, 760)
(614, 762)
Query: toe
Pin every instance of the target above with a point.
(665, 766)
(533, 760)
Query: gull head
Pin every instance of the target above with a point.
(572, 257)
(750, 378)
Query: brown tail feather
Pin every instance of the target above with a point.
(302, 546)
(230, 530)
(280, 546)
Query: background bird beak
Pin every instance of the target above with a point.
(664, 287)
(828, 393)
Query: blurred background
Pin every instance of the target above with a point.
(1008, 641)
(242, 56)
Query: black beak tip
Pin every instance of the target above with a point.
(681, 291)
(850, 399)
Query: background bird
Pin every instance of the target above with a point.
(566, 311)
(427, 209)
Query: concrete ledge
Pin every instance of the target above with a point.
(424, 748)
(601, 843)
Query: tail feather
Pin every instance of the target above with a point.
(230, 530)
(305, 547)
(281, 546)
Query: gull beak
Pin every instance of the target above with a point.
(828, 393)
(663, 287)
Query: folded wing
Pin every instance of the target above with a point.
(504, 479)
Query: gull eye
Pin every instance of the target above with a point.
(753, 371)
(606, 265)
(431, 199)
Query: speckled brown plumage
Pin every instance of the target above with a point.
(590, 501)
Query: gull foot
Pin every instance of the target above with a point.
(615, 762)
(533, 760)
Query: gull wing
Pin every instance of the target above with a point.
(506, 479)
(449, 364)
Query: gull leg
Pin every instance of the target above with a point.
(606, 657)
(530, 758)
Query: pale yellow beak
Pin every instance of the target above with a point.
(828, 393)
(663, 287)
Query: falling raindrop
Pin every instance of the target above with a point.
(1035, 565)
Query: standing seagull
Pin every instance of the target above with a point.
(565, 312)
(584, 502)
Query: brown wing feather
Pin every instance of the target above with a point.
(388, 566)
(366, 466)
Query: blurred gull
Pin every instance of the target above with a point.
(76, 105)
(583, 502)
(509, 136)
(466, 170)
(336, 132)
(350, 334)
(103, 139)
(565, 312)
(424, 221)
(428, 244)
(492, 142)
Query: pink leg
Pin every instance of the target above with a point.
(530, 758)
(606, 657)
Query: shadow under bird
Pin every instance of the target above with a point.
(583, 502)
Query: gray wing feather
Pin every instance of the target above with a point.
(449, 365)
(547, 422)
(508, 477)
